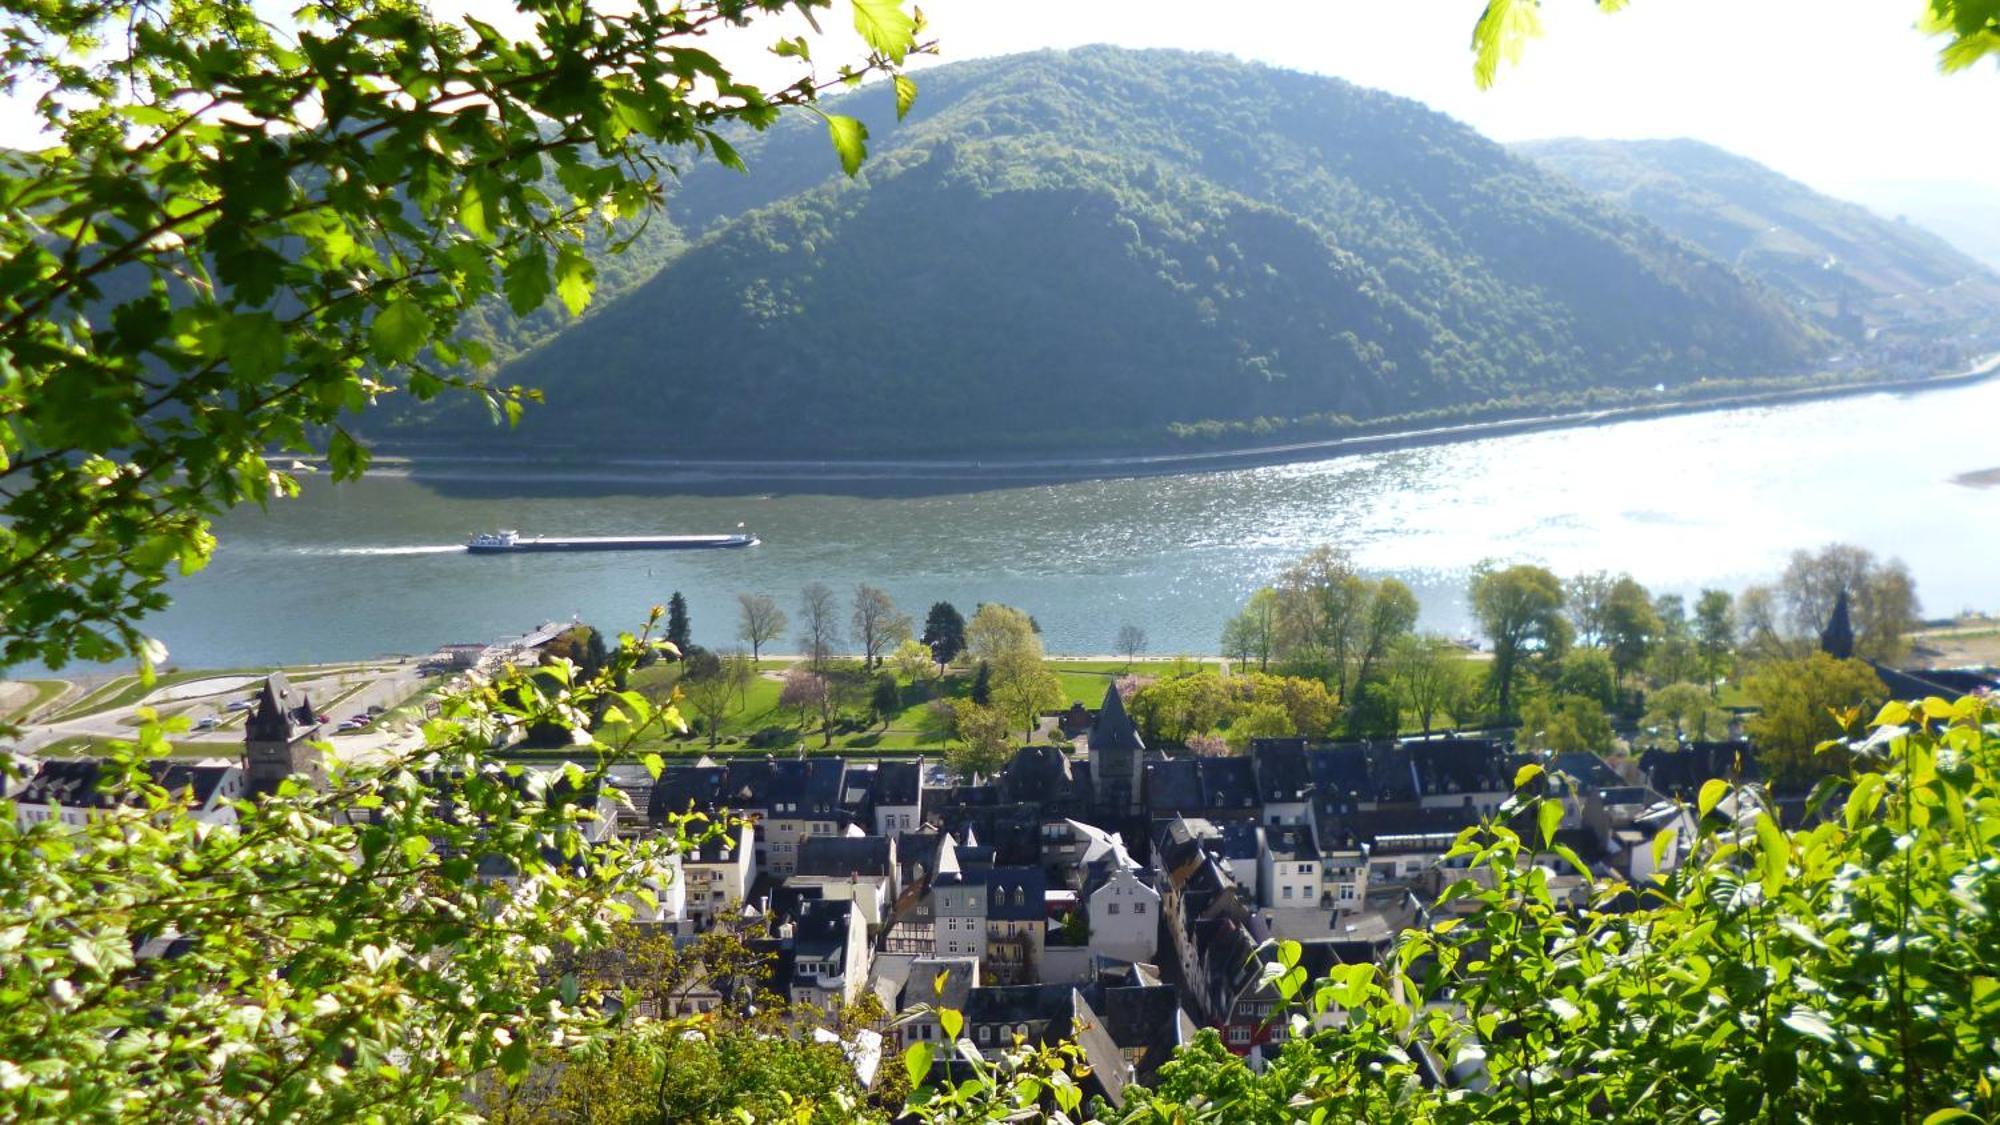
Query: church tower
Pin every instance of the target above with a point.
(278, 735)
(1116, 757)
(1837, 639)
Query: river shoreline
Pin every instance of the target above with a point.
(712, 474)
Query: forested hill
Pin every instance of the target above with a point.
(1101, 248)
(1823, 253)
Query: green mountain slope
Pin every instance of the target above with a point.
(1099, 248)
(1822, 253)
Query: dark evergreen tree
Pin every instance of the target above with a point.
(944, 632)
(677, 622)
(982, 685)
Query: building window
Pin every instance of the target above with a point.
(1305, 868)
(1111, 909)
(1239, 1035)
(985, 1035)
(1347, 892)
(1138, 908)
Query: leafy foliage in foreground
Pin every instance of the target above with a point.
(358, 954)
(1848, 971)
(245, 230)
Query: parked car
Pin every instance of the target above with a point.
(240, 705)
(207, 722)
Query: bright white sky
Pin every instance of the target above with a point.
(1832, 92)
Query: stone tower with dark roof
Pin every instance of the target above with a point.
(278, 736)
(1117, 757)
(1837, 639)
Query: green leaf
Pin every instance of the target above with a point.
(1810, 1024)
(1712, 791)
(255, 343)
(953, 1022)
(1951, 1114)
(885, 27)
(1525, 774)
(850, 140)
(1662, 840)
(576, 278)
(725, 153)
(399, 331)
(1549, 814)
(1504, 28)
(906, 95)
(1774, 852)
(474, 211)
(526, 280)
(654, 765)
(917, 1063)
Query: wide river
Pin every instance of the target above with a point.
(1715, 499)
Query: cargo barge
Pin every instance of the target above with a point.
(508, 542)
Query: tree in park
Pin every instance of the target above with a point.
(679, 633)
(244, 230)
(1131, 642)
(1426, 671)
(759, 621)
(912, 661)
(714, 687)
(1252, 634)
(1804, 703)
(984, 739)
(886, 699)
(1564, 724)
(1683, 712)
(981, 692)
(806, 692)
(1715, 634)
(877, 624)
(1630, 625)
(1588, 672)
(944, 633)
(1584, 598)
(819, 624)
(1520, 610)
(1026, 692)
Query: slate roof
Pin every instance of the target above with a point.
(281, 713)
(1039, 774)
(1460, 765)
(1588, 769)
(684, 788)
(808, 788)
(1017, 1003)
(1229, 783)
(898, 783)
(1113, 729)
(1016, 894)
(821, 927)
(1146, 1017)
(76, 782)
(1172, 786)
(1680, 773)
(841, 856)
(1282, 771)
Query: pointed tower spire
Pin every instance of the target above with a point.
(1113, 729)
(1837, 640)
